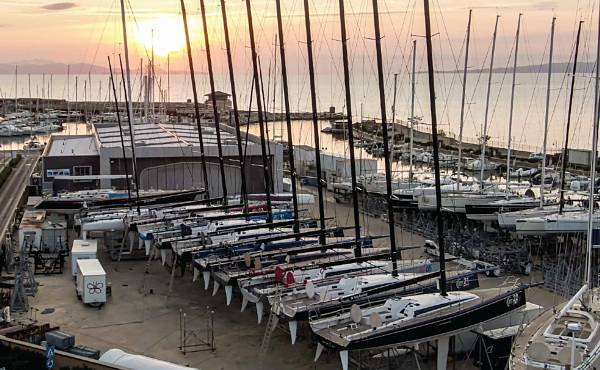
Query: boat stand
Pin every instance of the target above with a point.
(196, 340)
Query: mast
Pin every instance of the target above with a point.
(29, 85)
(594, 154)
(129, 100)
(214, 101)
(391, 159)
(386, 149)
(85, 117)
(561, 204)
(512, 102)
(68, 92)
(152, 77)
(462, 104)
(350, 129)
(412, 111)
(236, 113)
(487, 104)
(261, 122)
(168, 78)
(114, 89)
(316, 132)
(288, 119)
(436, 162)
(131, 138)
(16, 88)
(195, 94)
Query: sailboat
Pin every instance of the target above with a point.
(569, 339)
(558, 222)
(415, 318)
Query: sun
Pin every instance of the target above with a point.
(165, 33)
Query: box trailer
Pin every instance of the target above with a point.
(82, 249)
(91, 282)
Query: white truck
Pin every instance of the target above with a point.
(82, 249)
(91, 282)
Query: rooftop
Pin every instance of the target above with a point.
(162, 135)
(65, 145)
(219, 94)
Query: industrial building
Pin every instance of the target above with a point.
(168, 158)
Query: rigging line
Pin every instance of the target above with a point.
(404, 62)
(479, 76)
(266, 119)
(504, 74)
(318, 51)
(562, 88)
(101, 36)
(248, 121)
(396, 47)
(538, 74)
(445, 110)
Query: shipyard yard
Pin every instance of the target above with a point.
(354, 185)
(142, 317)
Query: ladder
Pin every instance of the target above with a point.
(271, 326)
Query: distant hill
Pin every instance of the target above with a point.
(47, 67)
(51, 68)
(542, 68)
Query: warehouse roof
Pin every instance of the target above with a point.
(65, 145)
(175, 135)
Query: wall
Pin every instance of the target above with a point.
(64, 162)
(186, 173)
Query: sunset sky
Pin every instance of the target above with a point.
(86, 31)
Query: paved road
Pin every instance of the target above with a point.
(12, 189)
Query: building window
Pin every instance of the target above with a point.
(58, 172)
(82, 170)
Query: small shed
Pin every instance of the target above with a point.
(43, 232)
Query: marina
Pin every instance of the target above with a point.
(231, 189)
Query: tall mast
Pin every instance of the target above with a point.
(128, 94)
(85, 114)
(16, 88)
(236, 113)
(214, 101)
(512, 102)
(412, 111)
(114, 89)
(261, 122)
(463, 101)
(487, 104)
(436, 163)
(29, 85)
(594, 154)
(316, 131)
(168, 78)
(386, 149)
(391, 159)
(288, 119)
(68, 92)
(565, 156)
(131, 138)
(152, 77)
(344, 37)
(195, 94)
(89, 96)
(547, 114)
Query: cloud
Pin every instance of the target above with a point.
(59, 6)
